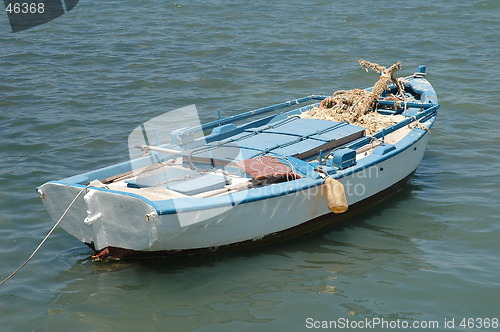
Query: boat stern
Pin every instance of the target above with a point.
(100, 217)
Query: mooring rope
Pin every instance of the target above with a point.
(47, 236)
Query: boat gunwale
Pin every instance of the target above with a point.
(189, 204)
(168, 206)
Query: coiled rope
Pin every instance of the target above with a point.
(47, 236)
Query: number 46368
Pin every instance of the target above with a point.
(25, 8)
(479, 323)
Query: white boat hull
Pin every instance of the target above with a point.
(103, 218)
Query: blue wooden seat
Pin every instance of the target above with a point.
(297, 137)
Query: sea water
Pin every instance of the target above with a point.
(72, 90)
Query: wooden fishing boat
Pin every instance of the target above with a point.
(276, 176)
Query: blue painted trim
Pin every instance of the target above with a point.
(427, 113)
(256, 194)
(375, 159)
(261, 193)
(189, 204)
(284, 188)
(403, 104)
(276, 190)
(76, 185)
(250, 114)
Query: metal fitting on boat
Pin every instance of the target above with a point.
(41, 194)
(151, 216)
(91, 218)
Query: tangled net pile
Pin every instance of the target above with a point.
(358, 106)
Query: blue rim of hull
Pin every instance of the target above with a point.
(199, 204)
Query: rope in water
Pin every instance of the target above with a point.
(47, 236)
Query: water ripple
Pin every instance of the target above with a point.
(73, 89)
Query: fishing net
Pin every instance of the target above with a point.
(358, 106)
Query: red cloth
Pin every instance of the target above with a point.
(266, 166)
